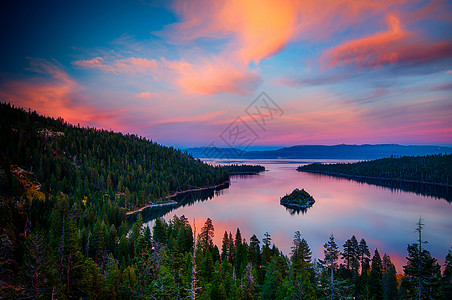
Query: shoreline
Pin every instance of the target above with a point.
(172, 202)
(373, 177)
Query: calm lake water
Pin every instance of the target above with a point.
(385, 218)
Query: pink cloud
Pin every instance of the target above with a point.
(210, 116)
(215, 76)
(371, 51)
(203, 77)
(53, 92)
(387, 48)
(145, 95)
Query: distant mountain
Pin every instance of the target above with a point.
(214, 152)
(321, 152)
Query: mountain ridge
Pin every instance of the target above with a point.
(340, 151)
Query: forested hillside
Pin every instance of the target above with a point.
(86, 162)
(73, 185)
(430, 168)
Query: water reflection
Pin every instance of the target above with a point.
(184, 199)
(384, 217)
(297, 211)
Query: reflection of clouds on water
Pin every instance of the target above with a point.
(384, 218)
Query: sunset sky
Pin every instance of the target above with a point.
(180, 72)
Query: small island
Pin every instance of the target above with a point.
(298, 199)
(235, 169)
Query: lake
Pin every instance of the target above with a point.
(386, 218)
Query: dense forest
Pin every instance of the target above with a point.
(128, 170)
(64, 234)
(168, 263)
(51, 171)
(243, 169)
(426, 169)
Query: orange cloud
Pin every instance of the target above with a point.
(259, 29)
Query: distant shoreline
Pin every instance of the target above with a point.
(172, 202)
(337, 174)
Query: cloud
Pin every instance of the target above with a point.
(206, 76)
(129, 65)
(53, 92)
(259, 29)
(249, 31)
(201, 118)
(394, 46)
(145, 95)
(215, 76)
(371, 51)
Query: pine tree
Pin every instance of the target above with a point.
(389, 279)
(331, 252)
(128, 282)
(376, 277)
(273, 281)
(363, 255)
(207, 234)
(225, 246)
(301, 257)
(446, 287)
(255, 250)
(231, 249)
(351, 252)
(301, 269)
(194, 278)
(266, 255)
(422, 273)
(238, 238)
(241, 254)
(37, 263)
(160, 231)
(164, 285)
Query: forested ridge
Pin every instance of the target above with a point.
(427, 169)
(81, 162)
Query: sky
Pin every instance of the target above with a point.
(247, 74)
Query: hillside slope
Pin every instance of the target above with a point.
(86, 162)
